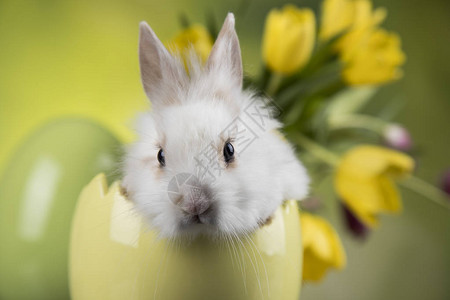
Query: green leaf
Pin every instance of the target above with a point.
(350, 100)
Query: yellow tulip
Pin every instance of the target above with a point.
(364, 181)
(288, 40)
(370, 55)
(195, 37)
(322, 248)
(374, 59)
(341, 15)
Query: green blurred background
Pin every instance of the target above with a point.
(79, 58)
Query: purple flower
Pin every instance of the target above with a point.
(397, 137)
(354, 225)
(445, 184)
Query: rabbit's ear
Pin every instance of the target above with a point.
(226, 54)
(160, 73)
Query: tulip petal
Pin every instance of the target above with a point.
(196, 38)
(364, 181)
(337, 16)
(371, 56)
(288, 39)
(322, 247)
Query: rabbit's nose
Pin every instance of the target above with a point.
(191, 196)
(196, 207)
(194, 200)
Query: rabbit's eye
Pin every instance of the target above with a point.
(228, 152)
(161, 158)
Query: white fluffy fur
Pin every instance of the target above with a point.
(185, 120)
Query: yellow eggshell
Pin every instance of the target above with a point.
(114, 255)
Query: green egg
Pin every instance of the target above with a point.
(38, 193)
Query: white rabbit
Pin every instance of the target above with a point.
(209, 159)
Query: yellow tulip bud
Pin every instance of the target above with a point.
(364, 181)
(371, 55)
(195, 37)
(288, 40)
(337, 15)
(341, 15)
(373, 59)
(322, 248)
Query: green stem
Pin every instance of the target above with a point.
(274, 83)
(326, 77)
(264, 78)
(184, 20)
(358, 121)
(315, 149)
(412, 183)
(320, 56)
(300, 112)
(427, 190)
